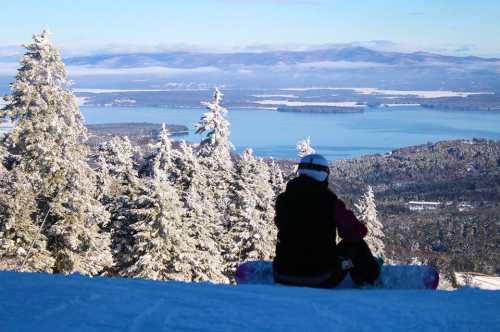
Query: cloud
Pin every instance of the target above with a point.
(493, 66)
(158, 71)
(76, 49)
(308, 67)
(69, 50)
(11, 50)
(245, 71)
(317, 65)
(464, 48)
(8, 68)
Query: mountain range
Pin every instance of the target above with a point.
(273, 58)
(334, 66)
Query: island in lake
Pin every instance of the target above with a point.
(139, 133)
(322, 109)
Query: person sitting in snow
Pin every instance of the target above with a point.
(308, 217)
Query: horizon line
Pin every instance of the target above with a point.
(71, 50)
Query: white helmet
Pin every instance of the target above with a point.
(314, 166)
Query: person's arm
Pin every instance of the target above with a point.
(278, 210)
(349, 227)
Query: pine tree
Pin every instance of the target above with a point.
(304, 147)
(200, 216)
(47, 146)
(116, 171)
(162, 249)
(216, 145)
(214, 155)
(276, 177)
(3, 170)
(186, 167)
(163, 155)
(22, 246)
(251, 234)
(121, 192)
(367, 214)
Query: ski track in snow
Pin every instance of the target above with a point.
(142, 317)
(43, 302)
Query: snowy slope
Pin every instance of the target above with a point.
(478, 281)
(42, 302)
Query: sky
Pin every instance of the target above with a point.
(458, 27)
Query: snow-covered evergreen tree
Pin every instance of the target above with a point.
(186, 167)
(200, 216)
(251, 234)
(214, 154)
(116, 173)
(22, 245)
(3, 170)
(304, 147)
(276, 178)
(162, 247)
(216, 145)
(121, 192)
(367, 213)
(46, 144)
(163, 155)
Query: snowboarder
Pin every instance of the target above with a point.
(308, 217)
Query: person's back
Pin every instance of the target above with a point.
(306, 228)
(308, 215)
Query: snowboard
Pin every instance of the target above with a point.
(391, 276)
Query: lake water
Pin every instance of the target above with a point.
(337, 136)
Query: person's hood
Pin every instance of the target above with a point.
(304, 183)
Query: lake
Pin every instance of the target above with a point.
(336, 136)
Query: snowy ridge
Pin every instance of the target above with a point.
(353, 104)
(43, 302)
(478, 280)
(427, 94)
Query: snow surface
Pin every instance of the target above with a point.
(275, 96)
(428, 94)
(478, 281)
(399, 105)
(82, 100)
(43, 302)
(151, 70)
(97, 91)
(353, 104)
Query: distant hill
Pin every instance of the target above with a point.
(271, 58)
(463, 176)
(340, 66)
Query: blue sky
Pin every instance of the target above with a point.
(455, 26)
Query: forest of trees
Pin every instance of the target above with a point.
(451, 172)
(192, 213)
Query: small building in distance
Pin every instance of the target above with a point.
(423, 205)
(465, 206)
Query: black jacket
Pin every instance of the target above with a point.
(305, 217)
